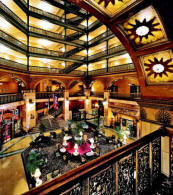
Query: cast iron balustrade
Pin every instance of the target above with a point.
(131, 169)
(128, 96)
(106, 53)
(10, 97)
(12, 40)
(77, 94)
(12, 64)
(97, 94)
(36, 50)
(57, 20)
(100, 37)
(78, 72)
(12, 15)
(53, 35)
(48, 95)
(44, 69)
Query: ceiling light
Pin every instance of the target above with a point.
(45, 60)
(142, 30)
(158, 68)
(44, 42)
(45, 24)
(62, 49)
(4, 23)
(45, 6)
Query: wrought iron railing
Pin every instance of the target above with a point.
(77, 94)
(97, 94)
(12, 40)
(12, 15)
(10, 63)
(101, 36)
(116, 69)
(78, 72)
(44, 69)
(113, 50)
(52, 16)
(115, 95)
(36, 50)
(10, 97)
(48, 95)
(132, 169)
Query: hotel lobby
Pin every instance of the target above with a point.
(86, 97)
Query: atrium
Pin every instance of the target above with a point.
(86, 97)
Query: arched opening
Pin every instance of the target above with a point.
(97, 88)
(76, 88)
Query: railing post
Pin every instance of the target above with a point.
(105, 104)
(66, 105)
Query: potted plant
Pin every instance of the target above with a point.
(34, 162)
(77, 130)
(119, 132)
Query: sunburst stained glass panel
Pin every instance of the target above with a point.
(158, 67)
(144, 27)
(110, 7)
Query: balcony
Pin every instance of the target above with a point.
(35, 12)
(123, 96)
(118, 50)
(10, 97)
(12, 42)
(39, 52)
(11, 64)
(13, 18)
(97, 94)
(48, 95)
(37, 32)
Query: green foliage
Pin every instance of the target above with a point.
(42, 128)
(119, 131)
(77, 127)
(34, 161)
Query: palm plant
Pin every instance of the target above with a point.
(34, 161)
(119, 131)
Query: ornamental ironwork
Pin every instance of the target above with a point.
(126, 182)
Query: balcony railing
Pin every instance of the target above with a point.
(129, 96)
(48, 95)
(44, 69)
(115, 69)
(78, 72)
(12, 40)
(132, 169)
(101, 36)
(10, 63)
(77, 94)
(113, 50)
(36, 50)
(12, 15)
(10, 97)
(54, 17)
(97, 94)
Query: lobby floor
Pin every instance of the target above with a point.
(12, 175)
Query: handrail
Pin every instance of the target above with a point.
(53, 16)
(107, 52)
(13, 15)
(116, 95)
(10, 97)
(91, 168)
(119, 68)
(101, 36)
(12, 40)
(53, 53)
(12, 64)
(47, 95)
(44, 69)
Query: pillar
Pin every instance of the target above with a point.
(105, 104)
(87, 105)
(66, 105)
(29, 114)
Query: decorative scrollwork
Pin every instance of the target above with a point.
(102, 182)
(75, 190)
(143, 172)
(163, 117)
(126, 176)
(156, 158)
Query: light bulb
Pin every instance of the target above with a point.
(142, 31)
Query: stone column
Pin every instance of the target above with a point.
(105, 104)
(29, 116)
(66, 105)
